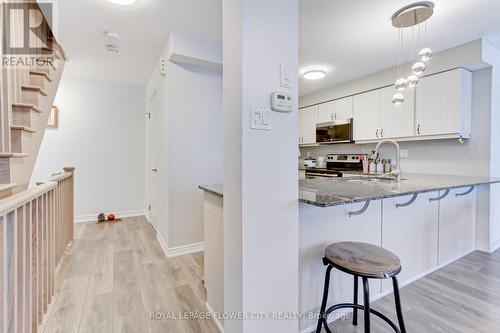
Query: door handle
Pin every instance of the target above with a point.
(376, 133)
(382, 133)
(418, 129)
(154, 170)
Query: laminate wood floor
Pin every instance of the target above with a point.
(115, 275)
(463, 297)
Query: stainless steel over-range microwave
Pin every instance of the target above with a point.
(337, 131)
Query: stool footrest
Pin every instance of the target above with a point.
(359, 307)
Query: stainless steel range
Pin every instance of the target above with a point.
(338, 165)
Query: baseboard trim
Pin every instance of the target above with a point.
(488, 247)
(179, 250)
(124, 214)
(185, 249)
(217, 322)
(401, 285)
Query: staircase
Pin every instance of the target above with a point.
(27, 96)
(36, 224)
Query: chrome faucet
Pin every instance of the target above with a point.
(397, 173)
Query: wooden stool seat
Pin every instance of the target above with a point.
(364, 260)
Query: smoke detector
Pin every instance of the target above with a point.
(113, 49)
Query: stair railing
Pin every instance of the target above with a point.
(36, 226)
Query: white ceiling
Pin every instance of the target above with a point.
(143, 28)
(355, 38)
(351, 38)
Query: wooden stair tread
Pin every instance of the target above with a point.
(40, 90)
(22, 128)
(13, 155)
(41, 73)
(5, 187)
(27, 106)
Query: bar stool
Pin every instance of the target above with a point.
(365, 261)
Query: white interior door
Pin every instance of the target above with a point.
(154, 147)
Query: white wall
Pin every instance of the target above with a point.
(260, 204)
(101, 133)
(190, 123)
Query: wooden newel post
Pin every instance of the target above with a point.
(71, 202)
(69, 169)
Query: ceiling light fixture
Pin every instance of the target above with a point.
(314, 73)
(112, 35)
(122, 2)
(410, 16)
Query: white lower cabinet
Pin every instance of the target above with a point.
(412, 234)
(457, 225)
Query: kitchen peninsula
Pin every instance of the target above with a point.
(428, 220)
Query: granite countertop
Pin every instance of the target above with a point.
(217, 189)
(340, 191)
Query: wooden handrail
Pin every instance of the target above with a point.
(15, 201)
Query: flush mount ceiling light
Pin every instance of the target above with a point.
(314, 73)
(112, 35)
(122, 2)
(412, 16)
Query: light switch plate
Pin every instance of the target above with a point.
(261, 118)
(285, 76)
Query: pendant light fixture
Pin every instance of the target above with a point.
(412, 15)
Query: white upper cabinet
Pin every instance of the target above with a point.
(367, 116)
(326, 112)
(343, 108)
(340, 109)
(438, 108)
(443, 104)
(308, 117)
(397, 121)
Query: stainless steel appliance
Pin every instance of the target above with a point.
(335, 131)
(338, 165)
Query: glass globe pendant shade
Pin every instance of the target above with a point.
(418, 68)
(425, 54)
(398, 99)
(401, 84)
(412, 81)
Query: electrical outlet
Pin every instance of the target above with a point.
(404, 153)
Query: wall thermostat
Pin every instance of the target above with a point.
(281, 102)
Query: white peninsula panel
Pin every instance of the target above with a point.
(320, 227)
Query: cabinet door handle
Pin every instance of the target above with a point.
(382, 133)
(331, 116)
(418, 129)
(376, 133)
(335, 116)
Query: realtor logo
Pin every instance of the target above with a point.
(26, 28)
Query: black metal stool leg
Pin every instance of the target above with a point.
(399, 310)
(355, 312)
(366, 294)
(322, 314)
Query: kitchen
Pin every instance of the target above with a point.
(416, 177)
